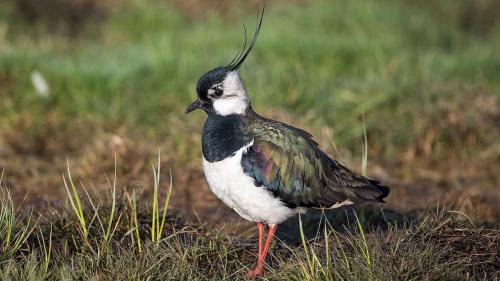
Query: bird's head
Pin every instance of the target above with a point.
(221, 90)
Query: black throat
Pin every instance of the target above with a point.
(223, 136)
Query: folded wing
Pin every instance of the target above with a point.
(287, 161)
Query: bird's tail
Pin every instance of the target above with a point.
(379, 191)
(347, 184)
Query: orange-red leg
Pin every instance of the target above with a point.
(261, 237)
(258, 270)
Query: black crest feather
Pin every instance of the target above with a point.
(239, 58)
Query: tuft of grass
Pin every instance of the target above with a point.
(135, 236)
(111, 230)
(332, 264)
(361, 244)
(314, 268)
(107, 227)
(46, 251)
(157, 226)
(75, 201)
(15, 228)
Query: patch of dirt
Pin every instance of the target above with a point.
(35, 179)
(34, 154)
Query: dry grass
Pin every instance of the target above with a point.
(433, 245)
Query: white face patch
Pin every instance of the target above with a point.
(230, 106)
(234, 99)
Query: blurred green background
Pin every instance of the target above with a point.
(423, 76)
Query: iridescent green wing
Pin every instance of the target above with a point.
(288, 162)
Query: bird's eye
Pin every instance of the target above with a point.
(218, 92)
(215, 91)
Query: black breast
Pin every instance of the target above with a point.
(223, 136)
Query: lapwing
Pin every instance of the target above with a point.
(266, 170)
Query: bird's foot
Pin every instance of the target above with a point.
(258, 271)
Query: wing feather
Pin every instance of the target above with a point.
(288, 162)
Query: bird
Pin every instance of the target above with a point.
(265, 170)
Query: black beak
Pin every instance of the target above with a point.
(195, 105)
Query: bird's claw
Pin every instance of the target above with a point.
(255, 272)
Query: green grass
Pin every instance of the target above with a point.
(329, 62)
(15, 227)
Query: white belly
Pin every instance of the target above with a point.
(228, 181)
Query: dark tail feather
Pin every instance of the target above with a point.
(375, 192)
(382, 190)
(352, 186)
